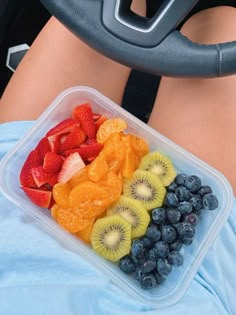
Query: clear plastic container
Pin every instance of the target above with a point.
(206, 232)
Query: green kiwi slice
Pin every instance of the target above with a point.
(145, 187)
(160, 165)
(111, 237)
(132, 211)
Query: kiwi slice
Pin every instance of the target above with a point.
(160, 165)
(145, 187)
(111, 237)
(132, 211)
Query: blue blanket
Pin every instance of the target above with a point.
(38, 276)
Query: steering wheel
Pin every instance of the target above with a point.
(149, 45)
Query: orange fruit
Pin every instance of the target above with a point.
(108, 127)
(89, 199)
(97, 169)
(61, 193)
(139, 145)
(84, 235)
(130, 163)
(81, 176)
(70, 219)
(112, 184)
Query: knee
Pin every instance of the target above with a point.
(212, 25)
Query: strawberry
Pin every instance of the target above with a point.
(62, 127)
(96, 116)
(34, 159)
(90, 141)
(41, 177)
(43, 146)
(86, 151)
(100, 121)
(84, 114)
(73, 139)
(52, 162)
(72, 164)
(39, 197)
(54, 142)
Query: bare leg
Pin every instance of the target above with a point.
(199, 114)
(58, 60)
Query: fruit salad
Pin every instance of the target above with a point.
(104, 185)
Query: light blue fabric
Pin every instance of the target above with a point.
(38, 276)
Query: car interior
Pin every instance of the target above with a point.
(21, 21)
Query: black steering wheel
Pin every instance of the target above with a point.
(149, 45)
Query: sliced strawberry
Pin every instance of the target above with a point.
(54, 142)
(96, 116)
(73, 139)
(39, 197)
(62, 127)
(43, 146)
(42, 178)
(100, 121)
(84, 114)
(86, 151)
(72, 164)
(34, 159)
(52, 162)
(90, 141)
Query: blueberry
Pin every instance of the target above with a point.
(153, 233)
(148, 265)
(210, 202)
(171, 200)
(185, 207)
(159, 278)
(163, 267)
(158, 215)
(168, 233)
(193, 183)
(172, 187)
(204, 190)
(191, 218)
(182, 193)
(176, 245)
(187, 240)
(180, 179)
(127, 265)
(137, 248)
(152, 253)
(173, 215)
(147, 242)
(185, 230)
(162, 249)
(138, 273)
(175, 258)
(148, 281)
(196, 202)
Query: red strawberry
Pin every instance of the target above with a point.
(39, 197)
(62, 127)
(72, 164)
(73, 139)
(100, 121)
(41, 178)
(34, 159)
(54, 142)
(43, 146)
(96, 116)
(86, 151)
(52, 162)
(90, 141)
(84, 114)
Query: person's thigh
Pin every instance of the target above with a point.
(58, 60)
(200, 114)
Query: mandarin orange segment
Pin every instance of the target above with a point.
(139, 145)
(108, 127)
(81, 176)
(70, 219)
(97, 169)
(89, 198)
(130, 163)
(112, 185)
(84, 235)
(61, 193)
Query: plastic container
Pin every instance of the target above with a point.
(206, 231)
